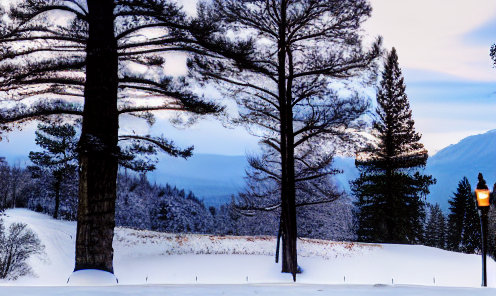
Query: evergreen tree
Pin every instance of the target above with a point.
(458, 205)
(471, 237)
(464, 233)
(59, 158)
(435, 229)
(492, 53)
(390, 188)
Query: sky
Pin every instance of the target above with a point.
(443, 48)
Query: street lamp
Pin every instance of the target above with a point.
(483, 202)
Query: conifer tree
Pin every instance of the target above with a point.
(60, 157)
(390, 188)
(458, 204)
(464, 233)
(435, 228)
(492, 53)
(471, 237)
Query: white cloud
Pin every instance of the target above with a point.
(428, 34)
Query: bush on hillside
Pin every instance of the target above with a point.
(15, 249)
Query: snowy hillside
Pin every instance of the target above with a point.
(470, 156)
(146, 257)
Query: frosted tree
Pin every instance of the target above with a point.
(16, 247)
(435, 230)
(492, 53)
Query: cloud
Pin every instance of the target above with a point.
(209, 137)
(429, 34)
(484, 35)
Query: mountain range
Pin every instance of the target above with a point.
(469, 157)
(214, 178)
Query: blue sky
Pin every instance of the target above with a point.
(443, 48)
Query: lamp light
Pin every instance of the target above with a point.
(482, 197)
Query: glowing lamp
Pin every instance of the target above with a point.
(482, 197)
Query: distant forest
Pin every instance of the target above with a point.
(167, 208)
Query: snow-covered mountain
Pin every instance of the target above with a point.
(470, 156)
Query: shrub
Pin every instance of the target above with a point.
(15, 248)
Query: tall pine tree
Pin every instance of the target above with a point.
(464, 233)
(390, 188)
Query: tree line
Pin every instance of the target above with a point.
(162, 207)
(143, 205)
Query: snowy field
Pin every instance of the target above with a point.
(151, 263)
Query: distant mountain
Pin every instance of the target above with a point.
(216, 177)
(213, 178)
(470, 156)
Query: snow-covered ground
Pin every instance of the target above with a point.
(151, 263)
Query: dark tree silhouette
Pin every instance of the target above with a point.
(435, 230)
(278, 59)
(87, 59)
(390, 188)
(492, 54)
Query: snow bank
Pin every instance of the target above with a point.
(91, 277)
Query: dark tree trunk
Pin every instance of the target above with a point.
(98, 149)
(288, 209)
(57, 199)
(278, 243)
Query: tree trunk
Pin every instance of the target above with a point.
(57, 199)
(98, 150)
(278, 243)
(288, 207)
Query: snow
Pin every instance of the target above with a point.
(91, 277)
(151, 263)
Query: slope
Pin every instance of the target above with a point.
(146, 257)
(470, 156)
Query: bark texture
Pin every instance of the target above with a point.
(98, 150)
